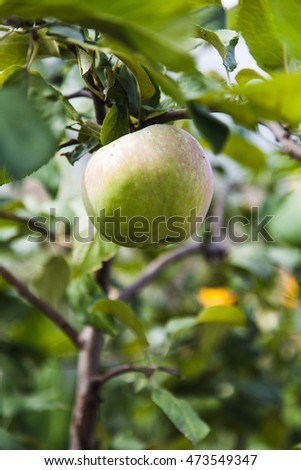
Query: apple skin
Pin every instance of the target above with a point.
(157, 172)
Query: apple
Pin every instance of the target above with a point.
(148, 188)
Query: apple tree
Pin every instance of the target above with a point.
(192, 345)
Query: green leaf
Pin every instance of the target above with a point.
(115, 124)
(85, 61)
(159, 37)
(243, 151)
(224, 41)
(89, 252)
(13, 50)
(102, 322)
(246, 75)
(278, 99)
(81, 149)
(124, 314)
(177, 326)
(212, 16)
(27, 143)
(181, 414)
(258, 28)
(146, 87)
(287, 16)
(214, 130)
(66, 31)
(222, 314)
(52, 284)
(128, 83)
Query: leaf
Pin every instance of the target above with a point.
(52, 284)
(246, 75)
(89, 252)
(158, 37)
(27, 143)
(211, 16)
(244, 152)
(81, 149)
(176, 326)
(115, 124)
(85, 61)
(258, 29)
(224, 42)
(287, 17)
(128, 83)
(181, 414)
(13, 50)
(66, 31)
(222, 314)
(214, 130)
(102, 322)
(275, 99)
(146, 87)
(124, 313)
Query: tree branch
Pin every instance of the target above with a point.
(84, 93)
(45, 308)
(87, 400)
(87, 393)
(154, 268)
(170, 115)
(288, 146)
(30, 222)
(147, 371)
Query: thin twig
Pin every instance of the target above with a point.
(169, 116)
(45, 308)
(84, 93)
(154, 268)
(147, 371)
(30, 222)
(288, 146)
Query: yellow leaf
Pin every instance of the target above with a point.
(212, 296)
(289, 288)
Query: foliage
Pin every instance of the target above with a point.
(229, 323)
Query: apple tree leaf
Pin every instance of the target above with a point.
(115, 124)
(214, 130)
(258, 28)
(90, 251)
(181, 414)
(228, 314)
(123, 313)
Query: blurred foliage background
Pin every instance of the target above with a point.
(240, 372)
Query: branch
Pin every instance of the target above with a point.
(154, 268)
(87, 400)
(45, 308)
(147, 371)
(87, 392)
(84, 93)
(171, 115)
(288, 146)
(30, 222)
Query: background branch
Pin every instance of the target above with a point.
(288, 146)
(154, 268)
(30, 222)
(147, 371)
(45, 308)
(169, 116)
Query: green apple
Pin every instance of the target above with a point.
(148, 188)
